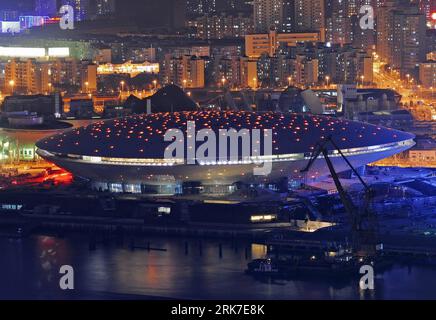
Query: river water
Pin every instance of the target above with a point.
(30, 269)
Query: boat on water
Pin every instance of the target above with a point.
(331, 263)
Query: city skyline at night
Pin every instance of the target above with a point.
(217, 151)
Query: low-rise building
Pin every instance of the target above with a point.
(427, 74)
(49, 106)
(258, 44)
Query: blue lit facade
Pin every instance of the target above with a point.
(81, 8)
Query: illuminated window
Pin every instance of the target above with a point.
(116, 187)
(165, 210)
(92, 159)
(263, 218)
(11, 206)
(132, 188)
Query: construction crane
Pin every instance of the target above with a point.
(363, 221)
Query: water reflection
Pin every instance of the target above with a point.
(31, 269)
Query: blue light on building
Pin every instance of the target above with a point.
(46, 7)
(80, 8)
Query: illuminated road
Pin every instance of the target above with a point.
(419, 100)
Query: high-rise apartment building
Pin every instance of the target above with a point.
(200, 7)
(26, 76)
(221, 26)
(310, 16)
(104, 7)
(9, 15)
(156, 14)
(46, 7)
(248, 73)
(65, 72)
(363, 38)
(185, 71)
(427, 74)
(288, 20)
(34, 76)
(343, 23)
(401, 36)
(306, 70)
(81, 8)
(88, 77)
(428, 7)
(338, 63)
(267, 14)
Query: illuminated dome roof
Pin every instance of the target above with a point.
(141, 136)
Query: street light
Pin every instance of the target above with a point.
(327, 78)
(122, 85)
(184, 83)
(87, 86)
(362, 78)
(12, 84)
(223, 80)
(155, 84)
(255, 82)
(289, 81)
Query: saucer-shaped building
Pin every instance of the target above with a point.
(128, 154)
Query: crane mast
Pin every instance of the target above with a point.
(363, 221)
